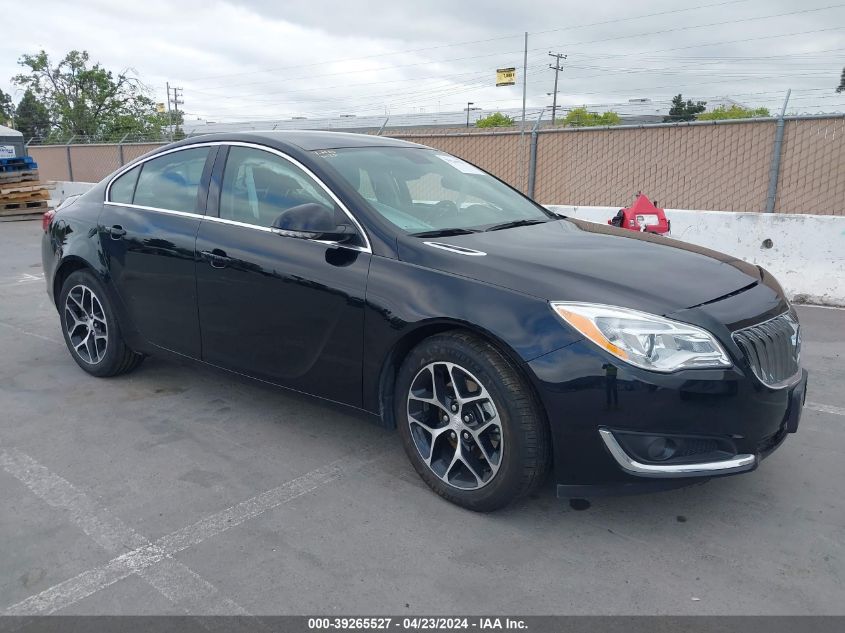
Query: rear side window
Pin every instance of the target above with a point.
(172, 181)
(123, 188)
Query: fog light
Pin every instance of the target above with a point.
(661, 449)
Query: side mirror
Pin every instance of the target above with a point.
(311, 221)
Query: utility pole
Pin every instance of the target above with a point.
(524, 79)
(169, 115)
(176, 101)
(469, 104)
(557, 68)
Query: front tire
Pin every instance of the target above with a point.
(470, 423)
(90, 327)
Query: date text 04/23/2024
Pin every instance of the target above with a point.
(417, 623)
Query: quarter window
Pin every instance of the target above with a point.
(258, 186)
(172, 181)
(123, 188)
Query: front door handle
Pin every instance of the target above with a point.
(217, 258)
(117, 232)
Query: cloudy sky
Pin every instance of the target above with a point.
(264, 59)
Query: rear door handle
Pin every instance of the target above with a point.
(216, 258)
(117, 232)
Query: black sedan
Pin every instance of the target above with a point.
(501, 340)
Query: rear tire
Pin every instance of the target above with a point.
(90, 327)
(470, 423)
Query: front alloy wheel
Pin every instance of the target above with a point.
(470, 422)
(455, 425)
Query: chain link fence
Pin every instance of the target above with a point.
(713, 165)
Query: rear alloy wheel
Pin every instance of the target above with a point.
(469, 422)
(85, 324)
(90, 328)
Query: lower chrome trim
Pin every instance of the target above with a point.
(735, 464)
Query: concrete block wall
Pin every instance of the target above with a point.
(806, 253)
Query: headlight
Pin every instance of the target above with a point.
(645, 340)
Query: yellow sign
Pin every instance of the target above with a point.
(160, 108)
(505, 76)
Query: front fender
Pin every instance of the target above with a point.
(403, 299)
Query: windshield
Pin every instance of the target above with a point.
(428, 192)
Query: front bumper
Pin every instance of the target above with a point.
(721, 421)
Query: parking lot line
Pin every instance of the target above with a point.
(172, 579)
(153, 561)
(22, 279)
(825, 408)
(105, 529)
(20, 330)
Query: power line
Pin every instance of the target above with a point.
(713, 60)
(707, 44)
(701, 26)
(416, 96)
(469, 42)
(475, 75)
(430, 92)
(448, 90)
(598, 41)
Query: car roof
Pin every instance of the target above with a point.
(307, 140)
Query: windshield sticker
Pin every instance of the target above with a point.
(458, 164)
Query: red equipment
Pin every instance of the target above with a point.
(642, 216)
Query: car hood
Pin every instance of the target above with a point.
(574, 260)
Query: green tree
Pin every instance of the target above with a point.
(7, 109)
(581, 117)
(841, 86)
(684, 110)
(497, 119)
(85, 99)
(31, 117)
(733, 112)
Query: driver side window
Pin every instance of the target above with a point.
(258, 186)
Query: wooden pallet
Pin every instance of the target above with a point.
(22, 187)
(18, 176)
(24, 196)
(12, 208)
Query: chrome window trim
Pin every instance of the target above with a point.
(156, 209)
(366, 248)
(735, 464)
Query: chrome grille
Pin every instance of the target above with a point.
(772, 348)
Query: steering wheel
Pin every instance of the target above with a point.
(444, 209)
